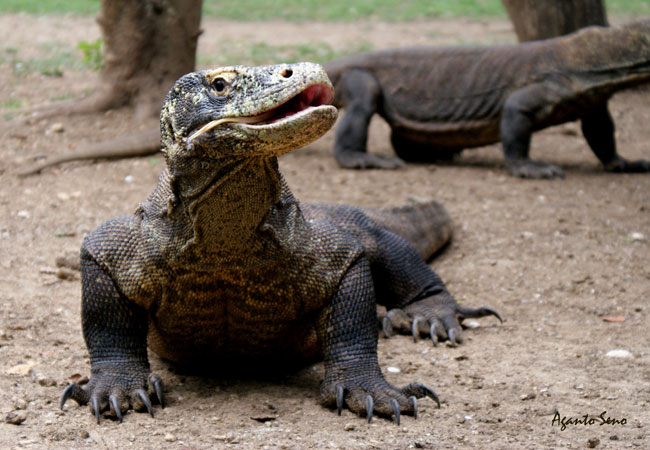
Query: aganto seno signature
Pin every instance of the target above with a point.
(602, 419)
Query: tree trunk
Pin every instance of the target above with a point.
(148, 44)
(543, 19)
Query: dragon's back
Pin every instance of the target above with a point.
(426, 225)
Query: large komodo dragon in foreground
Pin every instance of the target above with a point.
(439, 101)
(222, 264)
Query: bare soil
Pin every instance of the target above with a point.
(555, 258)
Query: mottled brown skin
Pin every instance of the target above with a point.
(222, 264)
(439, 100)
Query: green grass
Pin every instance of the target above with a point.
(58, 59)
(302, 10)
(263, 53)
(79, 7)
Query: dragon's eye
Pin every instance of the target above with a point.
(219, 84)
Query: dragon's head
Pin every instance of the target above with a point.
(241, 112)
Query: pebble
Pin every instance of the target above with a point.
(23, 214)
(349, 427)
(392, 369)
(21, 369)
(472, 324)
(636, 236)
(593, 443)
(170, 437)
(16, 417)
(128, 179)
(56, 127)
(46, 381)
(619, 353)
(20, 403)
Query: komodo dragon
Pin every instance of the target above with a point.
(440, 100)
(223, 264)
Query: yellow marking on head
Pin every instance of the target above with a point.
(227, 74)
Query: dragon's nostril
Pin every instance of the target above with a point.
(286, 73)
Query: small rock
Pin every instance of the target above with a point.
(20, 403)
(527, 234)
(56, 127)
(393, 369)
(63, 196)
(170, 437)
(471, 324)
(128, 179)
(593, 443)
(46, 381)
(84, 434)
(349, 427)
(78, 378)
(16, 417)
(619, 353)
(530, 396)
(636, 236)
(613, 437)
(63, 273)
(23, 214)
(21, 369)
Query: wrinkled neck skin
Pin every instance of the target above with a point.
(225, 204)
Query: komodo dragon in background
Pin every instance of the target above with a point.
(440, 100)
(222, 265)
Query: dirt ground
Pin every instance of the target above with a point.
(555, 258)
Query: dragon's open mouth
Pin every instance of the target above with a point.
(313, 96)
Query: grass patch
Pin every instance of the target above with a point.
(390, 10)
(263, 53)
(351, 10)
(14, 104)
(58, 59)
(636, 7)
(93, 55)
(78, 7)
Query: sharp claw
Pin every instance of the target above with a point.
(395, 406)
(453, 336)
(479, 312)
(95, 405)
(433, 334)
(116, 407)
(369, 407)
(432, 395)
(157, 386)
(339, 398)
(415, 407)
(67, 392)
(493, 312)
(415, 331)
(145, 399)
(387, 327)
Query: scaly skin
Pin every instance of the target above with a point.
(439, 100)
(222, 263)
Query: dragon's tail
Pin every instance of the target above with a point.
(426, 225)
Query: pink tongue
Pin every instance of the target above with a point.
(315, 96)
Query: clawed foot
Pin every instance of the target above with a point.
(362, 160)
(376, 396)
(622, 165)
(437, 317)
(117, 392)
(531, 169)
